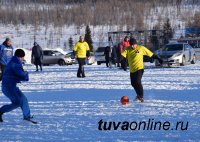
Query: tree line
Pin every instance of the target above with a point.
(131, 13)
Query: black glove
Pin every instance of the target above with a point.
(88, 53)
(74, 53)
(159, 59)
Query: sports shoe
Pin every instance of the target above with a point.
(139, 99)
(30, 119)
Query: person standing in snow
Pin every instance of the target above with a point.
(113, 56)
(123, 45)
(14, 74)
(118, 54)
(107, 54)
(81, 51)
(37, 55)
(135, 54)
(6, 53)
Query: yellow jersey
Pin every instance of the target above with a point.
(135, 57)
(81, 49)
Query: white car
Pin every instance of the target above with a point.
(91, 60)
(51, 56)
(176, 53)
(100, 56)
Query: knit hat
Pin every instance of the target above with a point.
(35, 44)
(19, 53)
(7, 39)
(132, 41)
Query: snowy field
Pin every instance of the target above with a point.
(69, 108)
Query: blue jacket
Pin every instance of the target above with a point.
(14, 73)
(6, 54)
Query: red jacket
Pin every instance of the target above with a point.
(123, 45)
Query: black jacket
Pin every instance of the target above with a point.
(37, 52)
(107, 53)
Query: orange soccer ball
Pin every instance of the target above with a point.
(124, 100)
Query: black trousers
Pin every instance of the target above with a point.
(107, 61)
(124, 63)
(118, 61)
(2, 70)
(38, 63)
(136, 82)
(81, 72)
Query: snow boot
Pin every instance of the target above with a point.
(139, 99)
(30, 119)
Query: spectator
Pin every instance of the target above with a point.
(107, 54)
(37, 56)
(114, 56)
(6, 53)
(123, 45)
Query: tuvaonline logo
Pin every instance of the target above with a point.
(150, 124)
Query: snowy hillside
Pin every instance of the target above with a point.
(69, 108)
(23, 36)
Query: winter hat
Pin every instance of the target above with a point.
(125, 38)
(19, 53)
(133, 41)
(35, 44)
(7, 39)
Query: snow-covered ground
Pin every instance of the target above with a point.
(69, 108)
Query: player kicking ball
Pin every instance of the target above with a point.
(134, 53)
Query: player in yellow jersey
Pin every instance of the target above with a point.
(81, 50)
(134, 53)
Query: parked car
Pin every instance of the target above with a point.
(71, 55)
(51, 56)
(88, 62)
(177, 53)
(99, 55)
(91, 59)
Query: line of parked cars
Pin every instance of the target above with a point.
(100, 57)
(172, 54)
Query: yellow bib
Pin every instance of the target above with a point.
(135, 57)
(81, 49)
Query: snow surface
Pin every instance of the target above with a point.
(69, 108)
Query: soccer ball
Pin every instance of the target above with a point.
(124, 100)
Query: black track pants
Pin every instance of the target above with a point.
(81, 72)
(136, 82)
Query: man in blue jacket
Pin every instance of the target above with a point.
(14, 74)
(6, 53)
